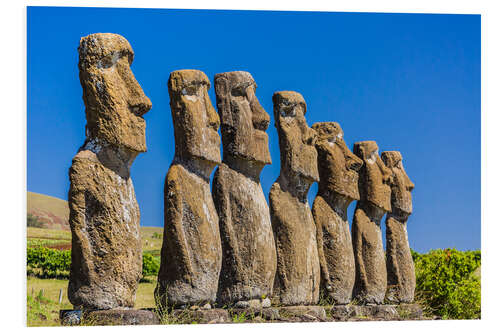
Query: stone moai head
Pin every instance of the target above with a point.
(296, 138)
(401, 184)
(114, 102)
(375, 177)
(244, 120)
(195, 120)
(338, 166)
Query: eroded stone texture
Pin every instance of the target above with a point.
(338, 187)
(106, 254)
(375, 201)
(298, 273)
(249, 253)
(191, 251)
(400, 268)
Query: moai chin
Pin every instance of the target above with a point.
(249, 252)
(298, 273)
(106, 253)
(400, 268)
(375, 201)
(338, 186)
(191, 251)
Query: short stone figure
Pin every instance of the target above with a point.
(298, 273)
(191, 252)
(106, 253)
(400, 268)
(248, 249)
(338, 187)
(375, 200)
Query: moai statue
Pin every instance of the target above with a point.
(375, 201)
(106, 253)
(248, 249)
(298, 272)
(338, 187)
(400, 268)
(191, 252)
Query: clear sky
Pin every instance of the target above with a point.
(411, 82)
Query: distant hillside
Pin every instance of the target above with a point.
(52, 211)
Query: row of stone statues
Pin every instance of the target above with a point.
(225, 245)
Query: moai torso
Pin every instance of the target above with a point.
(338, 187)
(106, 253)
(248, 249)
(400, 268)
(298, 272)
(191, 251)
(375, 201)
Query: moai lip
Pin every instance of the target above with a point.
(298, 272)
(249, 252)
(375, 200)
(338, 187)
(191, 251)
(106, 253)
(400, 268)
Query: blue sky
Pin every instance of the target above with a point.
(411, 82)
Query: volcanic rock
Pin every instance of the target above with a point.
(106, 254)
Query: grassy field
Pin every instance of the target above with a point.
(43, 299)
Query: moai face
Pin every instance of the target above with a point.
(244, 120)
(114, 102)
(296, 138)
(338, 166)
(195, 120)
(401, 184)
(375, 177)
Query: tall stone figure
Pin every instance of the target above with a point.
(298, 272)
(400, 268)
(375, 200)
(106, 254)
(338, 187)
(191, 251)
(248, 250)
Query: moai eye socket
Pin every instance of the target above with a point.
(239, 91)
(287, 109)
(191, 90)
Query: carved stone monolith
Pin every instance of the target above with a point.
(191, 251)
(298, 272)
(106, 253)
(400, 268)
(375, 201)
(338, 186)
(248, 249)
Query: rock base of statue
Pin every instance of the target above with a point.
(195, 315)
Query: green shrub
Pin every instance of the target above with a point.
(43, 262)
(446, 286)
(33, 221)
(150, 264)
(48, 263)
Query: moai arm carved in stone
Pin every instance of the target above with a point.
(338, 186)
(298, 272)
(106, 253)
(400, 268)
(375, 201)
(191, 251)
(249, 252)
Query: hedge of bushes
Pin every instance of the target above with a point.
(46, 263)
(448, 284)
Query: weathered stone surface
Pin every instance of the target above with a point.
(106, 255)
(400, 268)
(305, 313)
(298, 273)
(375, 201)
(212, 316)
(191, 251)
(338, 186)
(249, 253)
(120, 317)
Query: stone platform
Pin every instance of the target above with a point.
(248, 315)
